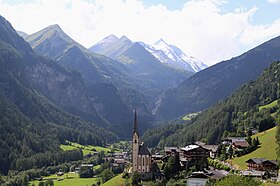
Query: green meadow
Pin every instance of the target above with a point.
(266, 150)
(68, 179)
(87, 149)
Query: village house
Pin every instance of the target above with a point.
(240, 144)
(190, 152)
(197, 179)
(172, 151)
(195, 152)
(236, 142)
(262, 164)
(213, 149)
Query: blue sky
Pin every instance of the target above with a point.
(266, 14)
(210, 30)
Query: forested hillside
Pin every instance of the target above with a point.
(237, 115)
(30, 124)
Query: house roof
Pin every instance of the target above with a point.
(275, 162)
(213, 148)
(190, 147)
(256, 160)
(143, 150)
(171, 149)
(261, 160)
(241, 143)
(234, 139)
(199, 174)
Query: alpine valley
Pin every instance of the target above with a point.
(68, 110)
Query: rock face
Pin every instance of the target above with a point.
(211, 85)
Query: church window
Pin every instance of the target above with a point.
(135, 141)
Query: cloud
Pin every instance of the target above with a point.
(200, 28)
(273, 1)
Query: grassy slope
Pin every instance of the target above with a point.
(73, 180)
(116, 181)
(86, 149)
(189, 117)
(272, 104)
(267, 149)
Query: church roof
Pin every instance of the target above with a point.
(135, 124)
(143, 150)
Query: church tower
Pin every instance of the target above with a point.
(135, 144)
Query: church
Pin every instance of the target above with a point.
(141, 157)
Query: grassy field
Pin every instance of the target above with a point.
(116, 181)
(189, 117)
(86, 149)
(69, 179)
(272, 104)
(267, 149)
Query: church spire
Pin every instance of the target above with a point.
(135, 126)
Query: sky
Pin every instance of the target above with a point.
(210, 30)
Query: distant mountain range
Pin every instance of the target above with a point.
(217, 82)
(158, 79)
(101, 76)
(128, 77)
(170, 55)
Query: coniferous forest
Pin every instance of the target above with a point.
(237, 115)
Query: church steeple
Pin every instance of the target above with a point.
(135, 144)
(135, 125)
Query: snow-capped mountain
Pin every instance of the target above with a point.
(174, 57)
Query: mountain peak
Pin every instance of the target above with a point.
(54, 27)
(109, 39)
(111, 36)
(160, 41)
(124, 38)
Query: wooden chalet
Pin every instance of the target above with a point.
(194, 152)
(240, 144)
(262, 164)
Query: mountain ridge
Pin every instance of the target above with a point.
(101, 75)
(211, 85)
